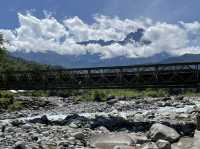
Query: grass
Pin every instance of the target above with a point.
(34, 93)
(102, 95)
(191, 92)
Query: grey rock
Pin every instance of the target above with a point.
(112, 101)
(150, 145)
(183, 143)
(43, 120)
(102, 129)
(124, 147)
(10, 129)
(159, 131)
(109, 141)
(20, 145)
(140, 138)
(3, 127)
(26, 126)
(179, 98)
(17, 122)
(163, 144)
(198, 121)
(73, 125)
(78, 135)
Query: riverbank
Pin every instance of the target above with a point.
(142, 123)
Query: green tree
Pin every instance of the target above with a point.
(2, 49)
(1, 39)
(10, 63)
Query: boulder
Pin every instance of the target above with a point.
(184, 128)
(150, 145)
(198, 121)
(179, 98)
(112, 101)
(102, 129)
(75, 121)
(139, 137)
(3, 127)
(163, 144)
(159, 131)
(20, 145)
(183, 143)
(166, 99)
(17, 122)
(110, 122)
(78, 135)
(110, 141)
(26, 126)
(43, 120)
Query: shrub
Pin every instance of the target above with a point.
(18, 105)
(155, 93)
(6, 94)
(5, 102)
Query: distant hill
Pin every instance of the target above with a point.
(71, 61)
(10, 63)
(183, 58)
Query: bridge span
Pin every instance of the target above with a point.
(173, 75)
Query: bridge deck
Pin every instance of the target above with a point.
(135, 76)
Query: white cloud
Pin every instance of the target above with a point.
(48, 34)
(193, 27)
(166, 37)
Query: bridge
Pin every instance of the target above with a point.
(175, 75)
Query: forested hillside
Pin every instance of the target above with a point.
(10, 63)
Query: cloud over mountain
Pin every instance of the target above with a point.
(48, 34)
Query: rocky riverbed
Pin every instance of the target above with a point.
(119, 123)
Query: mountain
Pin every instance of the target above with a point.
(92, 60)
(83, 61)
(10, 63)
(130, 38)
(69, 61)
(183, 58)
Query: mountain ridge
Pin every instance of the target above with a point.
(12, 63)
(94, 60)
(130, 38)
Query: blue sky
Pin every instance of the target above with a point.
(170, 11)
(172, 26)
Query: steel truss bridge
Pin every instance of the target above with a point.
(175, 75)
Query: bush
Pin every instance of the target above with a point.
(18, 105)
(155, 93)
(6, 94)
(5, 102)
(64, 93)
(92, 95)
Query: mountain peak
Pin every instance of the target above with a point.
(130, 38)
(136, 36)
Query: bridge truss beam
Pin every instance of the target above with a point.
(137, 76)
